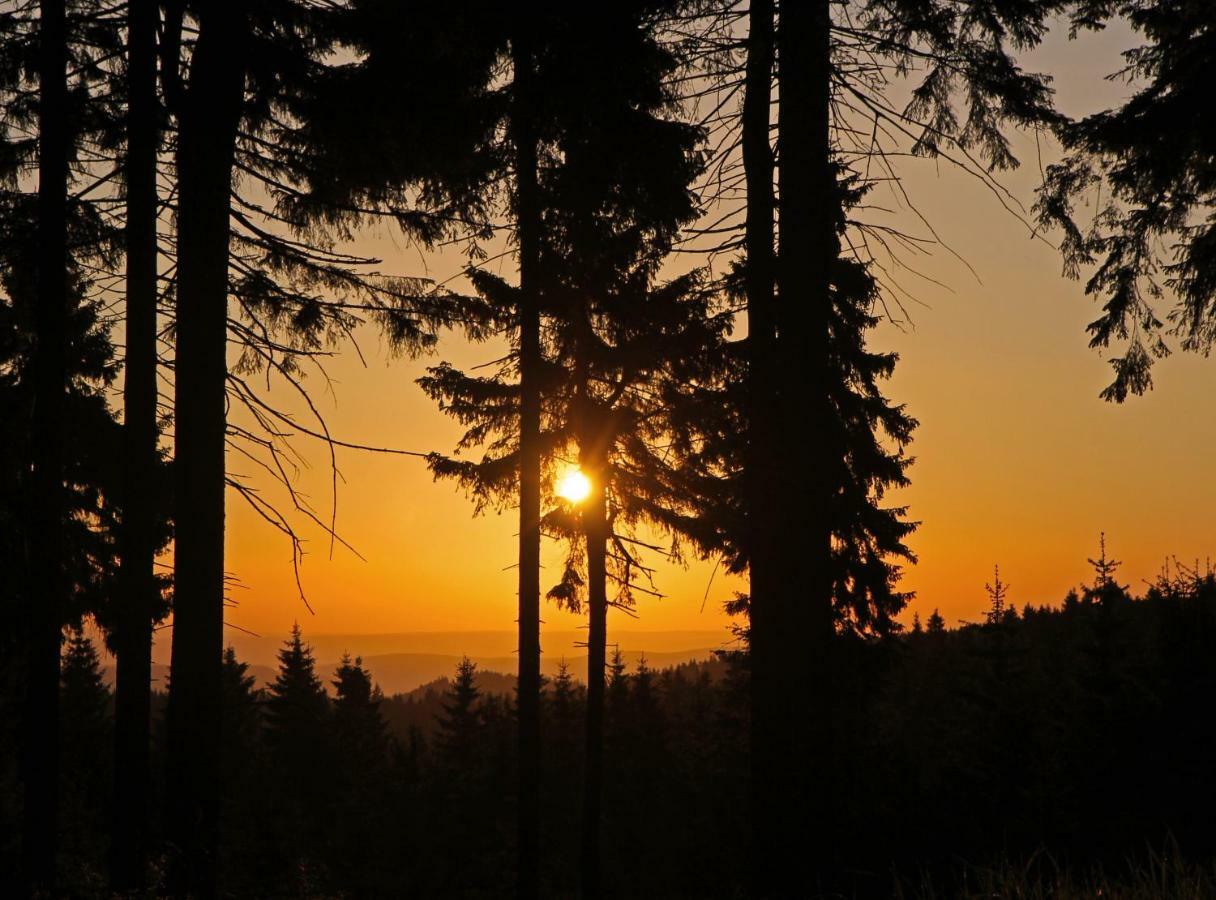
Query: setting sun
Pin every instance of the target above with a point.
(574, 486)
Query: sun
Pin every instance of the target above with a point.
(574, 486)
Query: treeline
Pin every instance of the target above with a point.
(1067, 738)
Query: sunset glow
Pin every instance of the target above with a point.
(574, 486)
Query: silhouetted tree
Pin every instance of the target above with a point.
(458, 738)
(1105, 589)
(140, 605)
(209, 112)
(47, 582)
(85, 729)
(998, 595)
(837, 543)
(247, 846)
(1148, 166)
(361, 759)
(297, 717)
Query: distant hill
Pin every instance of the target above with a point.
(400, 673)
(400, 663)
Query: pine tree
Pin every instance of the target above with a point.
(358, 725)
(608, 213)
(1105, 589)
(563, 712)
(361, 756)
(245, 781)
(209, 113)
(1149, 164)
(141, 534)
(297, 717)
(460, 724)
(998, 594)
(86, 731)
(48, 433)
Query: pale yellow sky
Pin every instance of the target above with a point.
(1018, 461)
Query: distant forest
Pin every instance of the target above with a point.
(1067, 738)
(679, 224)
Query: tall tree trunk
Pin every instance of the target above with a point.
(528, 233)
(595, 530)
(808, 250)
(768, 743)
(133, 638)
(208, 127)
(46, 542)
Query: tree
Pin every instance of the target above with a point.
(361, 756)
(811, 308)
(140, 536)
(936, 624)
(48, 428)
(458, 740)
(998, 595)
(244, 785)
(1105, 589)
(1148, 166)
(210, 112)
(85, 727)
(269, 276)
(297, 717)
(607, 213)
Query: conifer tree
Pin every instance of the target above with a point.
(258, 80)
(837, 542)
(361, 756)
(209, 114)
(460, 723)
(609, 213)
(1105, 589)
(141, 535)
(998, 595)
(84, 712)
(47, 587)
(358, 725)
(59, 495)
(1147, 164)
(244, 784)
(297, 728)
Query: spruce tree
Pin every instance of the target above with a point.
(1104, 589)
(86, 733)
(458, 740)
(245, 788)
(47, 588)
(297, 729)
(998, 597)
(141, 537)
(360, 769)
(1148, 164)
(209, 112)
(833, 564)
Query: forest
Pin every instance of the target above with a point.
(676, 252)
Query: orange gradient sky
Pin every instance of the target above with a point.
(1017, 460)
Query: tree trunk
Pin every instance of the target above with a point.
(528, 690)
(208, 127)
(768, 743)
(595, 529)
(46, 585)
(133, 625)
(809, 248)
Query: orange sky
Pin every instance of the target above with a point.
(1018, 461)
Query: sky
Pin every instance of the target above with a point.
(1018, 461)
